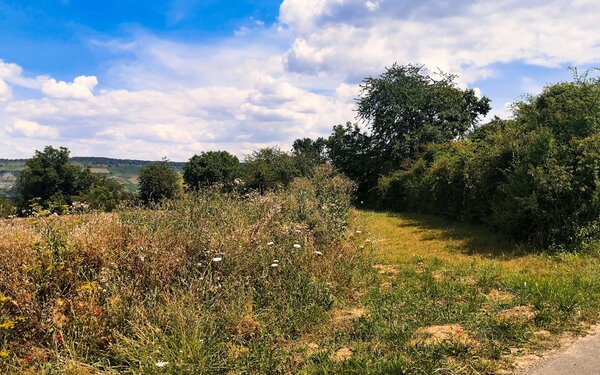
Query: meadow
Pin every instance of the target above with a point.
(294, 281)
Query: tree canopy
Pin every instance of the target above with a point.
(158, 181)
(210, 168)
(49, 177)
(314, 151)
(269, 168)
(407, 109)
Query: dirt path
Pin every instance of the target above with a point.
(581, 357)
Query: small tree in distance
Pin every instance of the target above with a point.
(50, 178)
(210, 168)
(270, 168)
(158, 181)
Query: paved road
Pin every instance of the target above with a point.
(580, 358)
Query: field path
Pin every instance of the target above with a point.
(582, 358)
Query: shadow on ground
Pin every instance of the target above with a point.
(466, 238)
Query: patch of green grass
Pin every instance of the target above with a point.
(439, 273)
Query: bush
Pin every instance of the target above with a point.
(271, 169)
(520, 180)
(50, 179)
(7, 207)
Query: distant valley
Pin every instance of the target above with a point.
(125, 171)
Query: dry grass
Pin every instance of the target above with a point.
(211, 283)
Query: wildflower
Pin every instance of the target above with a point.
(362, 246)
(270, 243)
(274, 265)
(7, 324)
(358, 231)
(276, 261)
(217, 259)
(161, 364)
(318, 253)
(4, 353)
(87, 286)
(297, 246)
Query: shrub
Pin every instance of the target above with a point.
(270, 169)
(7, 207)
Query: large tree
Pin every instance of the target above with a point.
(210, 168)
(407, 109)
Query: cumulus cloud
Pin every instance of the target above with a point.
(30, 129)
(463, 37)
(267, 86)
(5, 91)
(82, 87)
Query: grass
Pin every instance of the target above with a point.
(437, 273)
(292, 282)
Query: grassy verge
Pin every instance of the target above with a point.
(291, 282)
(451, 298)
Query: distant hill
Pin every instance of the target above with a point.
(124, 170)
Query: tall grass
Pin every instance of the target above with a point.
(208, 283)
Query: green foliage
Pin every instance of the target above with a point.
(7, 207)
(405, 110)
(314, 151)
(106, 194)
(351, 152)
(210, 168)
(158, 181)
(270, 168)
(408, 109)
(535, 178)
(49, 177)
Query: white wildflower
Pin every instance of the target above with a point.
(359, 231)
(217, 259)
(274, 265)
(270, 243)
(276, 261)
(161, 364)
(297, 246)
(318, 253)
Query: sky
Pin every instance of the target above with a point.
(151, 79)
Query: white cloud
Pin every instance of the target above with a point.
(82, 87)
(372, 5)
(467, 38)
(30, 129)
(269, 85)
(5, 91)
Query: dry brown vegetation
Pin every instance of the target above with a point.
(208, 283)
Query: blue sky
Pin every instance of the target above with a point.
(53, 36)
(146, 79)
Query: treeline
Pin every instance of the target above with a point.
(52, 183)
(534, 177)
(421, 147)
(110, 162)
